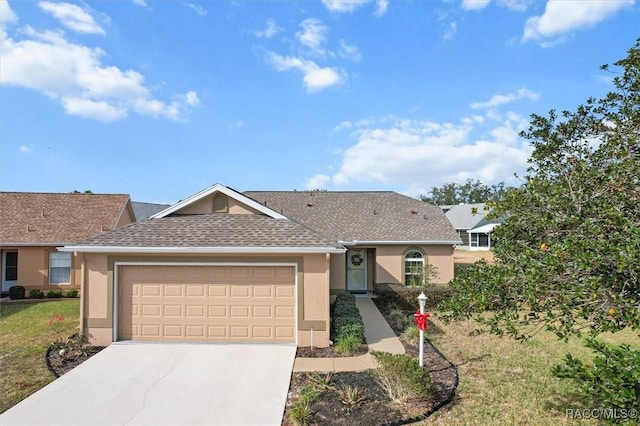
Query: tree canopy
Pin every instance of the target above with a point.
(568, 252)
(469, 192)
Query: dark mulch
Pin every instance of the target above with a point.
(377, 409)
(60, 364)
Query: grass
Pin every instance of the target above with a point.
(506, 382)
(26, 331)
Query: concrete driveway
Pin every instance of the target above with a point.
(166, 384)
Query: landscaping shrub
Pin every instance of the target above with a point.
(16, 292)
(346, 319)
(411, 335)
(71, 294)
(54, 294)
(401, 377)
(36, 294)
(301, 413)
(347, 344)
(612, 381)
(407, 297)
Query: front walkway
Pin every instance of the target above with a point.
(379, 335)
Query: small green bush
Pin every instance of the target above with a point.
(301, 413)
(411, 335)
(346, 319)
(36, 294)
(16, 292)
(612, 381)
(401, 377)
(54, 294)
(348, 344)
(71, 294)
(406, 298)
(308, 394)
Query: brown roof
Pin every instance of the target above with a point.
(36, 218)
(211, 230)
(361, 216)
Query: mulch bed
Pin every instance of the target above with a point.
(329, 352)
(61, 364)
(377, 409)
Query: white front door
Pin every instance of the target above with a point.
(9, 269)
(357, 270)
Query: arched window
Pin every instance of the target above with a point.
(220, 204)
(413, 268)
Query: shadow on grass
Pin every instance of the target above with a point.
(11, 308)
(569, 401)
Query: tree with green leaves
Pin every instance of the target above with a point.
(469, 192)
(568, 251)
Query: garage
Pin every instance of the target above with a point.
(206, 303)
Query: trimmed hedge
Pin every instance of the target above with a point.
(71, 293)
(54, 294)
(346, 319)
(36, 293)
(407, 297)
(16, 292)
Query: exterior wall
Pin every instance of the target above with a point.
(126, 217)
(312, 292)
(390, 262)
(33, 269)
(205, 206)
(338, 278)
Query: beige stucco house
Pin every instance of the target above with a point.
(225, 266)
(34, 225)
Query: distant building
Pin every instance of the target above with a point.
(472, 225)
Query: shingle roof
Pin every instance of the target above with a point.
(211, 230)
(361, 216)
(142, 211)
(462, 216)
(27, 217)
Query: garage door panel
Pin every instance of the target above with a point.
(207, 303)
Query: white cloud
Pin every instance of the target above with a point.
(6, 14)
(140, 3)
(502, 99)
(344, 6)
(412, 153)
(316, 78)
(563, 16)
(270, 30)
(72, 17)
(451, 31)
(516, 5)
(349, 51)
(197, 8)
(313, 35)
(474, 4)
(237, 125)
(75, 76)
(23, 148)
(318, 181)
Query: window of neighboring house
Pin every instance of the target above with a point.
(59, 268)
(220, 204)
(11, 266)
(414, 268)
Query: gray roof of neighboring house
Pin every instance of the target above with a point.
(462, 216)
(210, 230)
(142, 211)
(361, 216)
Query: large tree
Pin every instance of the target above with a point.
(568, 252)
(469, 192)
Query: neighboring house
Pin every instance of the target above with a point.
(480, 235)
(464, 217)
(224, 266)
(143, 211)
(33, 225)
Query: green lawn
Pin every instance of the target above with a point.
(505, 382)
(26, 331)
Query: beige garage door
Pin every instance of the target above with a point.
(207, 303)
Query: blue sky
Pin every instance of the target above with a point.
(160, 99)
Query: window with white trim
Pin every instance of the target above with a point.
(59, 268)
(414, 268)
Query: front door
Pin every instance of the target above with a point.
(357, 270)
(9, 269)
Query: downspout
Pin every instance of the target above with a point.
(82, 293)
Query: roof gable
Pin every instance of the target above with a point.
(466, 216)
(197, 198)
(58, 218)
(362, 217)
